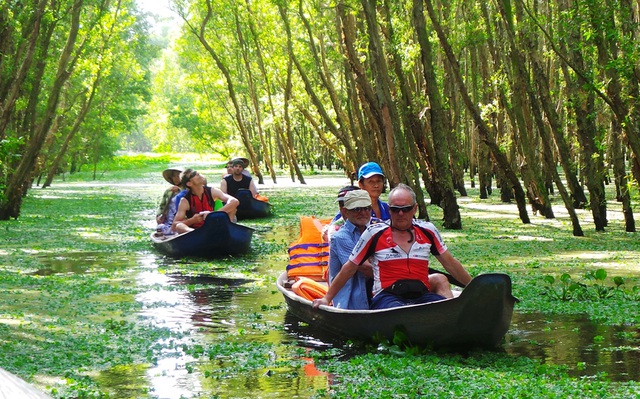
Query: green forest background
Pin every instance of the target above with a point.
(534, 99)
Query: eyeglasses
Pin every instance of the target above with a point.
(404, 209)
(358, 210)
(192, 175)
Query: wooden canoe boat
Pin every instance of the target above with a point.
(251, 208)
(479, 317)
(217, 237)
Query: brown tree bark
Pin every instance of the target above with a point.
(251, 81)
(620, 176)
(10, 89)
(19, 180)
(439, 126)
(496, 152)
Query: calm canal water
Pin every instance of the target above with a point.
(215, 308)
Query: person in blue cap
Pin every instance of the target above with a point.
(371, 179)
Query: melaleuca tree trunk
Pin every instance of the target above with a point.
(18, 181)
(497, 154)
(439, 125)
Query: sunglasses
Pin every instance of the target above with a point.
(363, 209)
(192, 175)
(404, 209)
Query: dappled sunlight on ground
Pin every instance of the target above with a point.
(102, 233)
(530, 238)
(577, 263)
(492, 209)
(624, 262)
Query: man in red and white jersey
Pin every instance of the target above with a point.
(399, 254)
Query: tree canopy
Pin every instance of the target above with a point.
(73, 76)
(526, 96)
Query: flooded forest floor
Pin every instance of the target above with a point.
(89, 309)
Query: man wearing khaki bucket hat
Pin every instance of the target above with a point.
(356, 211)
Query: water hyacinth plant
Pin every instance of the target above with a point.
(88, 309)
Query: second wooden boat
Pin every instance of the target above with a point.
(251, 208)
(217, 237)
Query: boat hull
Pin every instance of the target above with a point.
(217, 237)
(251, 208)
(479, 317)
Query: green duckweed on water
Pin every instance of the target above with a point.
(88, 309)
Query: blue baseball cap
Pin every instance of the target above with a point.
(369, 169)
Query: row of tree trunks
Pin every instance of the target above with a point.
(253, 94)
(342, 118)
(582, 104)
(440, 129)
(374, 143)
(18, 182)
(201, 33)
(292, 60)
(414, 139)
(485, 135)
(607, 51)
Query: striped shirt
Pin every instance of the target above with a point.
(390, 262)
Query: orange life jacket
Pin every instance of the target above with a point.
(309, 289)
(309, 255)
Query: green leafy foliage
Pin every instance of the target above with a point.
(477, 375)
(72, 311)
(595, 288)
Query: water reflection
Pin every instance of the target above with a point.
(307, 336)
(210, 307)
(125, 381)
(193, 302)
(215, 308)
(81, 262)
(583, 346)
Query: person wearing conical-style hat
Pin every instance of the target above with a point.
(168, 206)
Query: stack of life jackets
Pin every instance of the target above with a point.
(309, 259)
